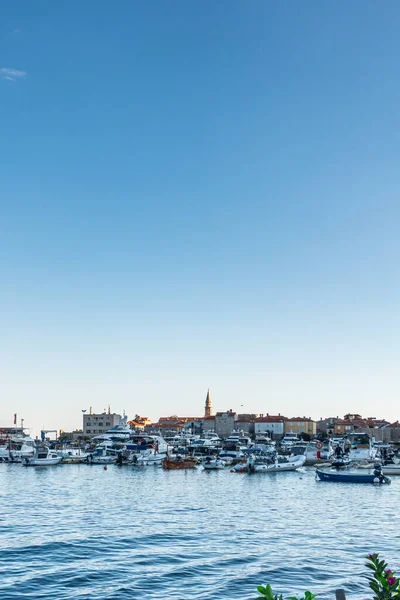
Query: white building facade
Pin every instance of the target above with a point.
(95, 424)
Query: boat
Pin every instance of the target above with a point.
(237, 441)
(42, 457)
(391, 469)
(15, 444)
(353, 475)
(267, 463)
(72, 455)
(359, 446)
(99, 457)
(391, 466)
(179, 462)
(314, 451)
(145, 450)
(213, 463)
(289, 439)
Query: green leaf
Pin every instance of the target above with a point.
(268, 592)
(261, 589)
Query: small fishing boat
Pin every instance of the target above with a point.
(213, 464)
(179, 462)
(353, 475)
(42, 457)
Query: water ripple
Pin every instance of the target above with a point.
(76, 532)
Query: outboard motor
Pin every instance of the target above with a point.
(378, 475)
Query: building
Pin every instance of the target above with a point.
(208, 406)
(208, 424)
(394, 432)
(301, 425)
(193, 426)
(371, 425)
(176, 424)
(97, 423)
(326, 427)
(139, 423)
(271, 425)
(173, 424)
(225, 423)
(245, 424)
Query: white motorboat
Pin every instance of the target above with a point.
(99, 457)
(314, 451)
(15, 444)
(391, 466)
(146, 450)
(359, 446)
(72, 455)
(289, 439)
(42, 457)
(213, 463)
(204, 443)
(212, 436)
(237, 440)
(279, 464)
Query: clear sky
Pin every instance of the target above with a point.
(199, 194)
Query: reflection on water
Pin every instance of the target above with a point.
(77, 531)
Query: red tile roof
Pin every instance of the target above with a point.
(271, 419)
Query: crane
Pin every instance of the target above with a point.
(44, 431)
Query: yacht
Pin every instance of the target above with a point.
(212, 437)
(15, 444)
(359, 446)
(314, 451)
(146, 450)
(236, 439)
(289, 439)
(121, 432)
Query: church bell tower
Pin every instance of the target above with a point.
(208, 408)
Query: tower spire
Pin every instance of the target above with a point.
(208, 407)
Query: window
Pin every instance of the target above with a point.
(100, 424)
(87, 430)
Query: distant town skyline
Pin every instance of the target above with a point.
(199, 195)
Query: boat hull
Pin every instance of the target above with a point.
(100, 460)
(274, 468)
(213, 465)
(391, 470)
(182, 464)
(38, 462)
(351, 477)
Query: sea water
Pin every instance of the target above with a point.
(82, 532)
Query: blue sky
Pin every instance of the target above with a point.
(199, 195)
